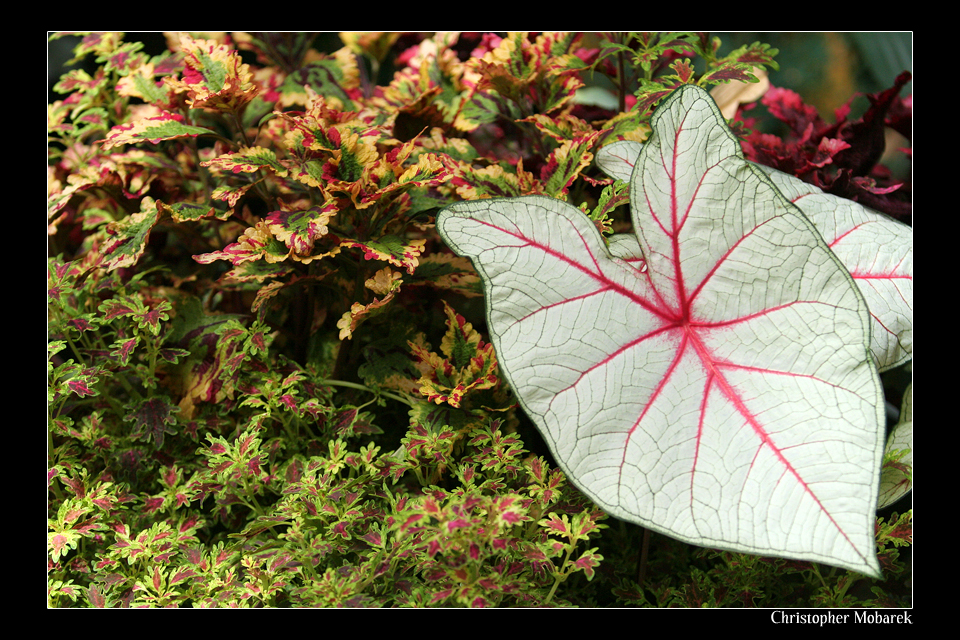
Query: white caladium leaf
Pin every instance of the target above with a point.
(720, 391)
(876, 249)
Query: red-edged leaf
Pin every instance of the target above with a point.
(165, 126)
(300, 229)
(248, 160)
(214, 77)
(390, 249)
(127, 238)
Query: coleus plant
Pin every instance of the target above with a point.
(842, 157)
(712, 376)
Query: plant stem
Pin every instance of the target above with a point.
(644, 552)
(360, 387)
(622, 82)
(561, 574)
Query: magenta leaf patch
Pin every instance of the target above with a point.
(720, 389)
(152, 419)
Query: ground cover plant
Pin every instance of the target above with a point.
(271, 382)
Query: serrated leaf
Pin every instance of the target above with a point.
(165, 126)
(184, 211)
(248, 160)
(254, 244)
(152, 419)
(214, 77)
(469, 363)
(299, 230)
(565, 163)
(725, 395)
(127, 238)
(390, 249)
(140, 83)
(541, 72)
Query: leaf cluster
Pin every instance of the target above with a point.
(657, 63)
(842, 157)
(263, 386)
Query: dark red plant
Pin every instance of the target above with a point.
(841, 158)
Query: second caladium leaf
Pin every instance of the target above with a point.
(721, 390)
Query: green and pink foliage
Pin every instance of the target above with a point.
(662, 62)
(245, 287)
(153, 418)
(166, 126)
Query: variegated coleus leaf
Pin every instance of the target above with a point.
(338, 153)
(219, 350)
(876, 250)
(183, 211)
(248, 160)
(140, 82)
(257, 271)
(127, 238)
(564, 165)
(99, 42)
(82, 83)
(282, 235)
(390, 249)
(334, 76)
(543, 72)
(467, 363)
(214, 77)
(385, 283)
(420, 103)
(148, 318)
(576, 140)
(721, 389)
(494, 181)
(231, 194)
(562, 127)
(391, 176)
(299, 230)
(165, 126)
(256, 243)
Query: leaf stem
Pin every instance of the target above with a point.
(561, 574)
(360, 387)
(644, 554)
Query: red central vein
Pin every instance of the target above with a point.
(675, 236)
(672, 232)
(715, 378)
(595, 274)
(715, 375)
(676, 319)
(878, 276)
